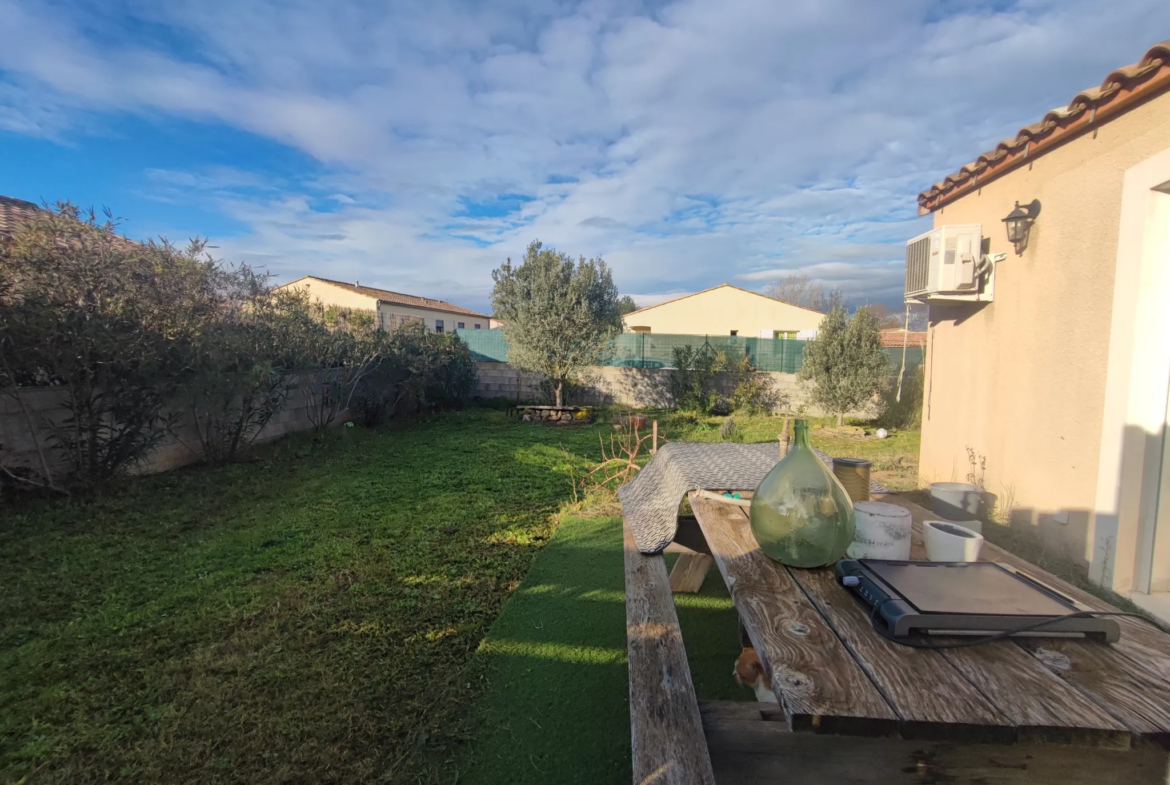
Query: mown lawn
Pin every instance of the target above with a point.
(301, 618)
(310, 616)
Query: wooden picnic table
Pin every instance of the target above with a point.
(856, 708)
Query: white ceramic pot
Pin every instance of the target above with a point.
(883, 532)
(946, 541)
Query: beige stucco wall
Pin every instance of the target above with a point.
(341, 297)
(1021, 381)
(720, 310)
(333, 295)
(430, 318)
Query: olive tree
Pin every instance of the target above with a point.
(559, 315)
(845, 362)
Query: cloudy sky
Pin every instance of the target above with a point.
(416, 147)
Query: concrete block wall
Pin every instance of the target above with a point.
(18, 443)
(638, 387)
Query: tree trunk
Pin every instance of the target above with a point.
(558, 390)
(840, 419)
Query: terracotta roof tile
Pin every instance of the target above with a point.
(1121, 90)
(896, 336)
(14, 212)
(387, 296)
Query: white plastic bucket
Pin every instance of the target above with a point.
(956, 501)
(883, 532)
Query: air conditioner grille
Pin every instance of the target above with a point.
(918, 266)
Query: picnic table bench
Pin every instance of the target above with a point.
(856, 708)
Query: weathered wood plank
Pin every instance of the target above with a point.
(817, 681)
(689, 572)
(933, 699)
(666, 732)
(1140, 701)
(1125, 680)
(1036, 701)
(748, 748)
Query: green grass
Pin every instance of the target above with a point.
(301, 618)
(553, 667)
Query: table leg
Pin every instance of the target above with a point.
(694, 558)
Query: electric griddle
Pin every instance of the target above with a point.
(964, 598)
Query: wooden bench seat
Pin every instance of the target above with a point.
(665, 728)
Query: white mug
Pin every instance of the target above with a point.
(946, 541)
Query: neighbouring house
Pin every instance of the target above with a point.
(725, 310)
(14, 212)
(1047, 367)
(897, 337)
(392, 308)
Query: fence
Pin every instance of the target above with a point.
(656, 350)
(179, 447)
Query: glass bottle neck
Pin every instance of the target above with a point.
(800, 434)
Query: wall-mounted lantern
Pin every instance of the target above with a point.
(1019, 222)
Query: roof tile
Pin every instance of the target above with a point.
(385, 295)
(14, 212)
(1122, 89)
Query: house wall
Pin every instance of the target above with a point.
(721, 310)
(1021, 381)
(391, 312)
(335, 295)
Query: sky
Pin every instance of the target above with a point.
(415, 146)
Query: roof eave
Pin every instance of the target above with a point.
(1123, 90)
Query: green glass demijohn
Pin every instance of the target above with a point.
(801, 514)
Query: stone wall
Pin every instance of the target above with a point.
(18, 448)
(638, 387)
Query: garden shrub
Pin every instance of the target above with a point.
(245, 364)
(134, 334)
(906, 413)
(754, 391)
(692, 376)
(415, 370)
(110, 323)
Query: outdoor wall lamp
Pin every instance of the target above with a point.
(1019, 222)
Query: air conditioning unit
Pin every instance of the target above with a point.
(947, 263)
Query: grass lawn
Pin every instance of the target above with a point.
(310, 616)
(300, 618)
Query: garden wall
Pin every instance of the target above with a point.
(177, 449)
(638, 387)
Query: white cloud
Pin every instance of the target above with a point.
(691, 143)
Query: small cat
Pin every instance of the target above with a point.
(749, 671)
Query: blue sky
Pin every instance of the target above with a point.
(416, 145)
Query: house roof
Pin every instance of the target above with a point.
(713, 288)
(896, 337)
(1123, 89)
(396, 298)
(14, 212)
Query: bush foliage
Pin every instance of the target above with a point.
(845, 363)
(693, 379)
(137, 335)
